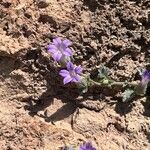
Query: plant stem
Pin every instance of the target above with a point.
(125, 83)
(111, 83)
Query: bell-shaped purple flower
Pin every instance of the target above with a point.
(142, 86)
(145, 77)
(59, 49)
(87, 146)
(71, 74)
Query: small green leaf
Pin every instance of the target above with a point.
(83, 85)
(141, 89)
(105, 81)
(128, 95)
(103, 73)
(141, 70)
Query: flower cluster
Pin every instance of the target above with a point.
(61, 52)
(60, 49)
(85, 146)
(145, 77)
(71, 74)
(141, 88)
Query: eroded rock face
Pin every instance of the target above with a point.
(36, 110)
(11, 46)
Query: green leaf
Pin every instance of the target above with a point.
(103, 73)
(83, 86)
(141, 89)
(128, 94)
(141, 70)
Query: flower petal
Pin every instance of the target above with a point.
(57, 41)
(67, 79)
(78, 69)
(87, 146)
(68, 52)
(76, 79)
(67, 42)
(52, 48)
(57, 56)
(146, 75)
(64, 73)
(70, 66)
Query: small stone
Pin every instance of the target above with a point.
(94, 45)
(10, 46)
(43, 3)
(117, 43)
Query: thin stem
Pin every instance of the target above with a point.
(110, 82)
(125, 83)
(94, 82)
(113, 83)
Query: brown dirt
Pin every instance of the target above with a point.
(36, 111)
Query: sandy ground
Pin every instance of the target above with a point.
(37, 112)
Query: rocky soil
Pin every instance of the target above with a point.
(37, 112)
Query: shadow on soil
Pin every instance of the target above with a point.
(146, 108)
(46, 70)
(65, 111)
(67, 94)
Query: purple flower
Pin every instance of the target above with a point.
(87, 146)
(71, 74)
(59, 49)
(145, 77)
(142, 86)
